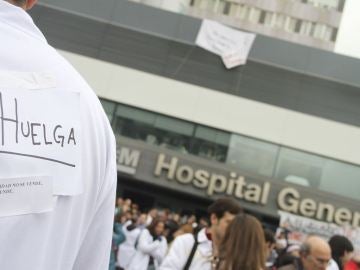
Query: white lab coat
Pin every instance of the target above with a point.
(146, 247)
(127, 249)
(332, 265)
(180, 250)
(76, 234)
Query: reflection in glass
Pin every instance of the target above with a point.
(210, 143)
(299, 168)
(252, 155)
(173, 133)
(133, 123)
(341, 178)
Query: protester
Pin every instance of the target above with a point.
(243, 246)
(270, 243)
(64, 219)
(150, 248)
(341, 250)
(119, 206)
(315, 254)
(151, 215)
(205, 253)
(126, 250)
(193, 252)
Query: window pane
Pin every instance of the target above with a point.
(210, 143)
(133, 123)
(341, 178)
(254, 15)
(327, 4)
(174, 125)
(222, 138)
(174, 134)
(205, 133)
(212, 135)
(135, 114)
(252, 155)
(234, 9)
(299, 167)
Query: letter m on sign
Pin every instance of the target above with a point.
(128, 160)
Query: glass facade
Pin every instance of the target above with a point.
(248, 154)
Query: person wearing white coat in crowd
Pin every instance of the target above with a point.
(186, 253)
(63, 219)
(127, 249)
(151, 247)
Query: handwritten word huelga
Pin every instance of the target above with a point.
(36, 133)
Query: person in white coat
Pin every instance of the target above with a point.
(151, 247)
(127, 249)
(199, 252)
(57, 156)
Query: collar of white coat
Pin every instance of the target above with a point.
(205, 245)
(19, 19)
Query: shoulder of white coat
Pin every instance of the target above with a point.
(145, 233)
(201, 236)
(93, 117)
(185, 240)
(163, 240)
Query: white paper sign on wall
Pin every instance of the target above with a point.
(233, 46)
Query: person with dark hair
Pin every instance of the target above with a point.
(270, 243)
(243, 246)
(315, 254)
(126, 250)
(151, 247)
(171, 227)
(341, 250)
(200, 251)
(58, 149)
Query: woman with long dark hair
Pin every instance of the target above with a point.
(341, 250)
(151, 247)
(243, 247)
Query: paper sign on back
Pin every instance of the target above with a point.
(40, 135)
(26, 195)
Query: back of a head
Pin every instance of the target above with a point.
(223, 205)
(314, 242)
(339, 245)
(269, 236)
(315, 253)
(187, 228)
(243, 246)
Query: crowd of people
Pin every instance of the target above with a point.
(228, 239)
